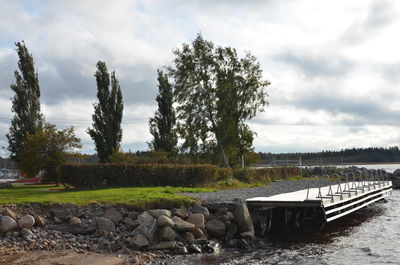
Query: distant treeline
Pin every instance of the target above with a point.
(354, 155)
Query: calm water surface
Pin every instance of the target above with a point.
(369, 236)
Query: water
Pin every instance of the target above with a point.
(369, 236)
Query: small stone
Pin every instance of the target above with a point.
(10, 213)
(216, 228)
(26, 234)
(133, 215)
(180, 212)
(197, 219)
(57, 220)
(194, 248)
(75, 221)
(221, 211)
(182, 226)
(105, 225)
(167, 234)
(40, 221)
(200, 209)
(138, 242)
(198, 233)
(158, 212)
(163, 220)
(7, 224)
(188, 237)
(26, 221)
(248, 236)
(113, 215)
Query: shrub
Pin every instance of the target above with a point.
(225, 174)
(112, 175)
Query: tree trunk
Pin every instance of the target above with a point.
(241, 160)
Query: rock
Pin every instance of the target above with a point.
(180, 212)
(224, 218)
(26, 221)
(221, 211)
(164, 245)
(248, 236)
(57, 220)
(163, 220)
(7, 224)
(198, 233)
(396, 173)
(26, 234)
(75, 230)
(188, 237)
(10, 213)
(113, 215)
(216, 228)
(197, 219)
(61, 214)
(133, 215)
(131, 225)
(105, 225)
(182, 226)
(231, 230)
(200, 209)
(158, 212)
(212, 248)
(145, 218)
(75, 221)
(182, 251)
(146, 229)
(167, 234)
(243, 218)
(194, 248)
(139, 241)
(40, 221)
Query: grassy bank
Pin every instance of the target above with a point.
(141, 198)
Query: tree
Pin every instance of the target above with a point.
(162, 125)
(216, 93)
(106, 129)
(25, 103)
(47, 150)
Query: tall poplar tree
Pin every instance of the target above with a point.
(106, 129)
(25, 103)
(162, 125)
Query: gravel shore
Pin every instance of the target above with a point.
(269, 190)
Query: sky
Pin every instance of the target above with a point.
(334, 66)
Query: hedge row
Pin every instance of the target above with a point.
(250, 175)
(112, 175)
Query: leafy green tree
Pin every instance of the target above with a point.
(25, 103)
(106, 129)
(46, 150)
(216, 92)
(162, 125)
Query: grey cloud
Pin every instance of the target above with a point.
(380, 15)
(316, 65)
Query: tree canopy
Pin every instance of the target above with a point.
(162, 125)
(216, 92)
(106, 129)
(25, 103)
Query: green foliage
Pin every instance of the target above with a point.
(162, 125)
(47, 150)
(119, 156)
(113, 175)
(25, 103)
(266, 175)
(216, 92)
(106, 129)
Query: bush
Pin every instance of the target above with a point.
(225, 174)
(119, 175)
(265, 175)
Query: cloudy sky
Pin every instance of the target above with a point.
(334, 65)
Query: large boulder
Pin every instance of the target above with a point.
(113, 215)
(105, 225)
(182, 226)
(396, 173)
(7, 224)
(145, 218)
(163, 220)
(200, 209)
(26, 221)
(166, 234)
(180, 212)
(147, 227)
(216, 228)
(158, 212)
(243, 218)
(139, 241)
(197, 219)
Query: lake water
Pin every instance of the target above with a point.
(369, 236)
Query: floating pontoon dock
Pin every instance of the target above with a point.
(322, 204)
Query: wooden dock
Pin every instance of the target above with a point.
(324, 204)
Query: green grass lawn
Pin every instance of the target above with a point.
(141, 198)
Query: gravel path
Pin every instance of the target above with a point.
(270, 190)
